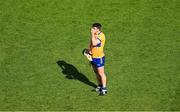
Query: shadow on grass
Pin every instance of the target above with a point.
(72, 72)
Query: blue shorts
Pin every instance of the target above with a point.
(98, 62)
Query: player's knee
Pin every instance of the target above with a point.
(101, 73)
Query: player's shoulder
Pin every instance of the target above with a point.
(102, 35)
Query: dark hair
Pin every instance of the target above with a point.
(97, 25)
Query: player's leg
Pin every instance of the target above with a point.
(103, 79)
(102, 75)
(97, 75)
(98, 78)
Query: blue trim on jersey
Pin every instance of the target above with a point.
(98, 45)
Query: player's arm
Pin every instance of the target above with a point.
(94, 40)
(90, 47)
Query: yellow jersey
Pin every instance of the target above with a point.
(97, 51)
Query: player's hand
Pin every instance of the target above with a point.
(89, 51)
(93, 31)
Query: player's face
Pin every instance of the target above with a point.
(96, 30)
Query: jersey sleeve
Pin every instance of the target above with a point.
(101, 37)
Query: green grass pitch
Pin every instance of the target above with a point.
(142, 51)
